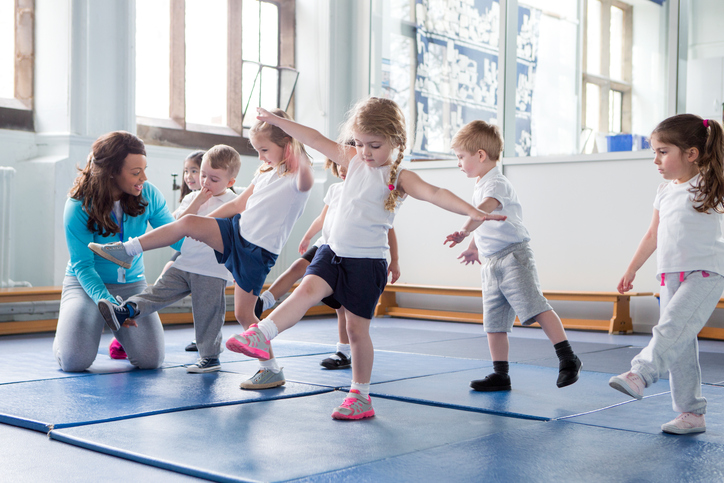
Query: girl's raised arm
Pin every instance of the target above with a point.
(233, 207)
(310, 137)
(305, 178)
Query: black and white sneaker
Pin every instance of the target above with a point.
(192, 347)
(204, 364)
(337, 361)
(113, 314)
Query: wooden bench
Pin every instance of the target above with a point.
(40, 294)
(620, 321)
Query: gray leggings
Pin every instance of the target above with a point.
(208, 303)
(80, 325)
(685, 308)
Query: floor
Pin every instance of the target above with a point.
(114, 423)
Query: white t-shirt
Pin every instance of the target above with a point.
(686, 239)
(493, 236)
(272, 209)
(198, 257)
(331, 199)
(361, 222)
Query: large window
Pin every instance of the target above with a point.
(225, 58)
(560, 77)
(16, 64)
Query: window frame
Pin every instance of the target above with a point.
(174, 130)
(17, 113)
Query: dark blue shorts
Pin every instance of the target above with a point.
(328, 301)
(248, 263)
(357, 282)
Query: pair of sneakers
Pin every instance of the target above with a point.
(633, 385)
(116, 314)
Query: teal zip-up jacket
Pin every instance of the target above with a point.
(92, 271)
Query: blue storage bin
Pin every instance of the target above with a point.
(619, 142)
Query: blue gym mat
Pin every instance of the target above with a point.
(388, 366)
(34, 366)
(534, 394)
(41, 405)
(285, 439)
(647, 415)
(550, 452)
(29, 456)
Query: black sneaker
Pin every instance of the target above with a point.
(568, 371)
(113, 314)
(492, 382)
(204, 364)
(259, 308)
(192, 347)
(337, 361)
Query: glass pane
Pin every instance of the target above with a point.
(401, 9)
(206, 43)
(546, 99)
(153, 20)
(593, 106)
(400, 78)
(567, 9)
(286, 87)
(616, 54)
(254, 99)
(7, 48)
(249, 72)
(269, 87)
(615, 108)
(705, 64)
(593, 37)
(250, 20)
(269, 25)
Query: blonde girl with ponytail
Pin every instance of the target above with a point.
(351, 266)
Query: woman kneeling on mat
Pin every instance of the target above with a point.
(110, 199)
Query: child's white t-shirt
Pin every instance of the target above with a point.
(686, 239)
(331, 199)
(361, 222)
(493, 236)
(272, 209)
(197, 257)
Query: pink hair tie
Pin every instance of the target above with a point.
(706, 123)
(391, 186)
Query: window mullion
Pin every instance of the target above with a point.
(234, 107)
(24, 20)
(286, 40)
(177, 101)
(603, 116)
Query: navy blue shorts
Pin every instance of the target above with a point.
(328, 301)
(248, 263)
(357, 282)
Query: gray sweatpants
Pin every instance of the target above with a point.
(685, 308)
(208, 304)
(80, 325)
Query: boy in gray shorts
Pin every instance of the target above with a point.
(510, 279)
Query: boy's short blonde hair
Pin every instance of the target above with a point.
(225, 157)
(477, 135)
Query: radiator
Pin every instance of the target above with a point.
(6, 214)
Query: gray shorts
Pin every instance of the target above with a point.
(510, 287)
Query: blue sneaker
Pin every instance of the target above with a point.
(204, 364)
(114, 252)
(115, 315)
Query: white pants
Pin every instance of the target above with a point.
(685, 308)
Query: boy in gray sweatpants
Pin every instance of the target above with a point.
(196, 271)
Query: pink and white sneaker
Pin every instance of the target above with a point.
(685, 423)
(628, 383)
(355, 406)
(251, 343)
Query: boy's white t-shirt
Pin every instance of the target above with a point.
(272, 209)
(493, 236)
(361, 222)
(686, 239)
(331, 199)
(197, 257)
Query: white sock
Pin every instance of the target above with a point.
(267, 299)
(268, 328)
(364, 389)
(344, 349)
(271, 364)
(133, 247)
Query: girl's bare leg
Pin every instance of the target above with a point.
(286, 280)
(342, 325)
(200, 228)
(363, 352)
(310, 291)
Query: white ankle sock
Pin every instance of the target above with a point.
(267, 299)
(344, 349)
(271, 364)
(268, 328)
(133, 247)
(364, 389)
